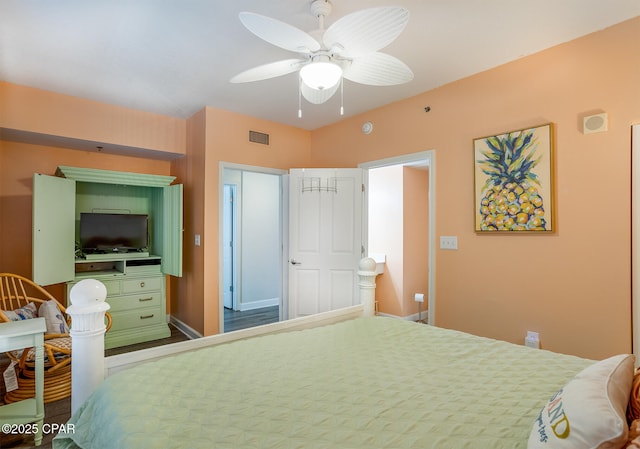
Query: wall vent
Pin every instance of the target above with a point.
(257, 137)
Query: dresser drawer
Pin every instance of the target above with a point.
(130, 302)
(113, 287)
(132, 319)
(136, 297)
(142, 284)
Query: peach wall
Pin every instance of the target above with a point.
(386, 209)
(18, 163)
(398, 228)
(224, 136)
(46, 113)
(415, 238)
(210, 136)
(572, 286)
(188, 304)
(28, 109)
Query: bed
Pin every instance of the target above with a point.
(349, 379)
(368, 382)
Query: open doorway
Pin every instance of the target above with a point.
(251, 246)
(400, 208)
(237, 176)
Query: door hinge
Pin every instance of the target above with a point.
(231, 288)
(362, 187)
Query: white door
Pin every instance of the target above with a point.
(228, 240)
(325, 239)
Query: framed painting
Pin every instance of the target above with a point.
(514, 181)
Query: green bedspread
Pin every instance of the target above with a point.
(366, 383)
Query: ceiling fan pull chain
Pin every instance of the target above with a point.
(299, 97)
(341, 96)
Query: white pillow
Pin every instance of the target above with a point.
(588, 412)
(23, 313)
(56, 324)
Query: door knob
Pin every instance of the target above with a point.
(295, 262)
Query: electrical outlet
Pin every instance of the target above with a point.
(418, 297)
(449, 242)
(532, 340)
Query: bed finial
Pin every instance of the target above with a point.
(367, 274)
(87, 311)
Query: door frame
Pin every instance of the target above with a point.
(230, 223)
(427, 157)
(635, 242)
(256, 169)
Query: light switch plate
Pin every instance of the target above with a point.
(448, 242)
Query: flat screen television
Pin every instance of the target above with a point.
(102, 233)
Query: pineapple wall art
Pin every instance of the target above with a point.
(514, 181)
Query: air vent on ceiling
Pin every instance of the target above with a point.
(257, 137)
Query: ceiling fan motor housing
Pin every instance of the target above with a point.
(320, 8)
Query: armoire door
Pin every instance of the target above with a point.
(53, 232)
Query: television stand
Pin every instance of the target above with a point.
(112, 255)
(136, 292)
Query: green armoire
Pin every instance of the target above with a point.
(136, 282)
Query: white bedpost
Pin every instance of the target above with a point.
(87, 312)
(367, 274)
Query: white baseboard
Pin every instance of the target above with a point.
(270, 302)
(424, 316)
(193, 334)
(184, 328)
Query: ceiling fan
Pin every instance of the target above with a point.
(347, 49)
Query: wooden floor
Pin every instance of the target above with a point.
(59, 412)
(235, 320)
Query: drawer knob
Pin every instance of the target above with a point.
(144, 317)
(142, 284)
(145, 299)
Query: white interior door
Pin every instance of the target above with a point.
(229, 246)
(325, 239)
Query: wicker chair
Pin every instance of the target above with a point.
(16, 292)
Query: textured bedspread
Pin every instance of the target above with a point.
(366, 383)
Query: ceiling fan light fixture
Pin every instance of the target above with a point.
(321, 75)
(348, 49)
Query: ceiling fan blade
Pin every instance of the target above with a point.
(378, 69)
(279, 33)
(317, 96)
(266, 71)
(367, 30)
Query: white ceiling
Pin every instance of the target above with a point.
(174, 57)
